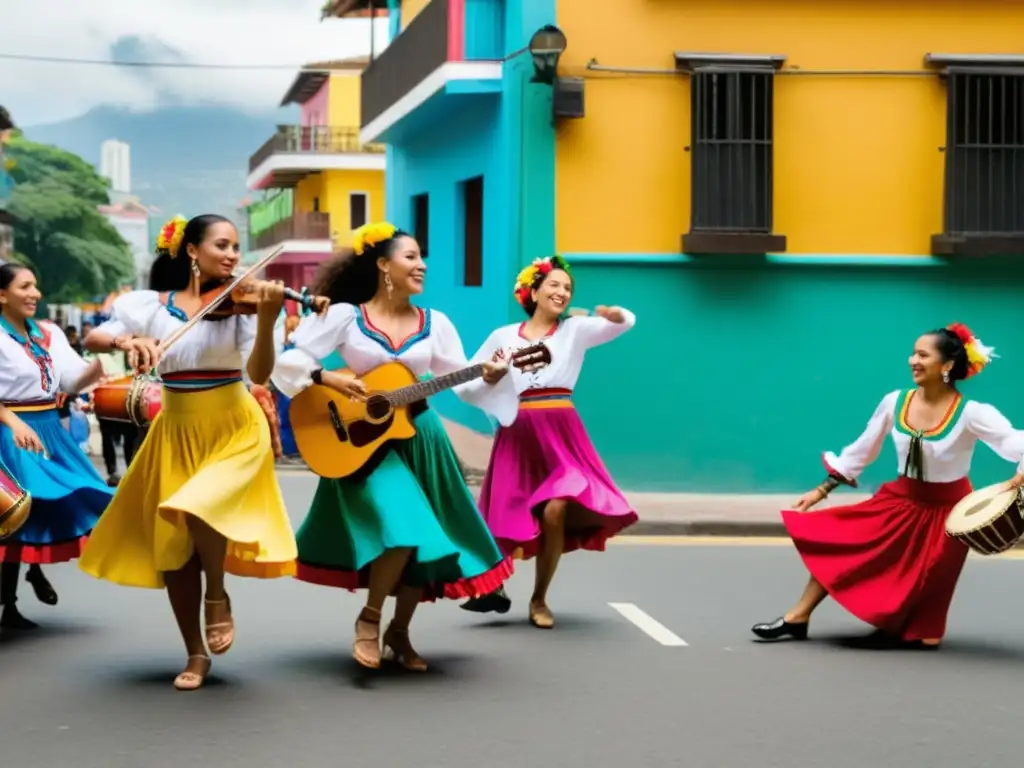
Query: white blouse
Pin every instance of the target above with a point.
(20, 379)
(434, 348)
(569, 343)
(947, 449)
(210, 344)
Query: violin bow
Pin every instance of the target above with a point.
(174, 337)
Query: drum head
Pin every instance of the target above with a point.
(980, 508)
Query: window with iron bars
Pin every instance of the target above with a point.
(732, 115)
(985, 154)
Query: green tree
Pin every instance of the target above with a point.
(58, 230)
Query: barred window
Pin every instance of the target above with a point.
(732, 116)
(984, 189)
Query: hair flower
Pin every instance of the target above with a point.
(369, 235)
(978, 355)
(170, 236)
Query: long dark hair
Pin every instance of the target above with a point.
(351, 278)
(173, 271)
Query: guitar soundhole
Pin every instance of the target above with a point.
(378, 407)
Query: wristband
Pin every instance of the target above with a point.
(317, 376)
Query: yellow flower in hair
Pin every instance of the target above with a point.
(527, 275)
(370, 235)
(171, 234)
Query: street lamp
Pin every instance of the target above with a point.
(546, 47)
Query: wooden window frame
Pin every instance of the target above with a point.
(730, 228)
(983, 184)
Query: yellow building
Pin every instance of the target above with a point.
(319, 180)
(786, 193)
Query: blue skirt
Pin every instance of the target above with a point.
(68, 494)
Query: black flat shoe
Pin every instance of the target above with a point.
(44, 590)
(11, 619)
(779, 629)
(495, 602)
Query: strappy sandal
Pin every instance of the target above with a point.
(220, 636)
(193, 681)
(398, 648)
(366, 646)
(45, 593)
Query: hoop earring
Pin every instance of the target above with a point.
(945, 377)
(389, 285)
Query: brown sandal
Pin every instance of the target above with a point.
(366, 646)
(220, 636)
(398, 648)
(193, 681)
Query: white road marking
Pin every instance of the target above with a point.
(648, 625)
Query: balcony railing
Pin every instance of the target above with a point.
(299, 226)
(409, 58)
(312, 140)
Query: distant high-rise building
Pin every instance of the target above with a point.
(116, 165)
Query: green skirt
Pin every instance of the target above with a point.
(414, 497)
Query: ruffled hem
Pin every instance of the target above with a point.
(473, 586)
(43, 554)
(594, 540)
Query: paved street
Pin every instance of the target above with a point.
(671, 676)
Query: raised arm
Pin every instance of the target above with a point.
(848, 465)
(995, 430)
(607, 324)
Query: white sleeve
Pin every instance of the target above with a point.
(68, 364)
(112, 327)
(855, 457)
(245, 336)
(995, 430)
(315, 338)
(498, 400)
(594, 331)
(135, 311)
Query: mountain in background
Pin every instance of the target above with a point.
(187, 160)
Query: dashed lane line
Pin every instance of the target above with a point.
(649, 625)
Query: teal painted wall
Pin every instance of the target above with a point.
(736, 377)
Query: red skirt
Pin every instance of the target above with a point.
(887, 560)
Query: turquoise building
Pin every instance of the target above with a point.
(760, 341)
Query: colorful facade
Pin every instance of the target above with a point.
(317, 180)
(786, 195)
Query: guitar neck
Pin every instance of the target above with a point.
(425, 389)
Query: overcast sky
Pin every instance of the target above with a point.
(285, 32)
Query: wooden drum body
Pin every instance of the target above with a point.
(990, 520)
(15, 504)
(135, 400)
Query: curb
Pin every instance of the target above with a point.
(737, 528)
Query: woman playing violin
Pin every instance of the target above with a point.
(201, 495)
(37, 363)
(406, 524)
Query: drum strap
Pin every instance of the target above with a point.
(914, 468)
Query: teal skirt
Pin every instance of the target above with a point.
(414, 497)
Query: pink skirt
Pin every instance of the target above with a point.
(546, 454)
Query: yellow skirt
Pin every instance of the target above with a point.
(207, 454)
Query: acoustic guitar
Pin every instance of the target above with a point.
(337, 436)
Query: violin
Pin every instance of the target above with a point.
(241, 299)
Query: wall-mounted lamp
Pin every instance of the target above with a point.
(546, 47)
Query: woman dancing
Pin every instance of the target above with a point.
(546, 491)
(406, 524)
(36, 363)
(200, 495)
(888, 560)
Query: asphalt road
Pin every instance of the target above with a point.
(606, 687)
